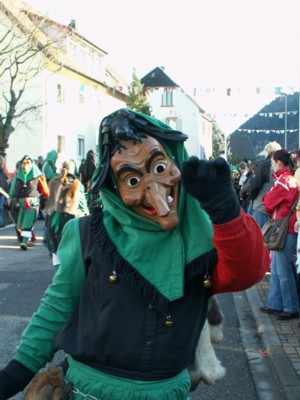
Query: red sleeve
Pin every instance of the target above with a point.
(43, 187)
(243, 259)
(275, 197)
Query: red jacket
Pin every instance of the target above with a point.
(243, 258)
(279, 200)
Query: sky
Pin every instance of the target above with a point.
(207, 45)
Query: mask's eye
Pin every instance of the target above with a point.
(159, 168)
(133, 181)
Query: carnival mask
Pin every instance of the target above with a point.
(148, 181)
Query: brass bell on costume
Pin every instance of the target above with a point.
(168, 322)
(207, 283)
(113, 277)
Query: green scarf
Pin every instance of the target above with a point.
(33, 172)
(160, 256)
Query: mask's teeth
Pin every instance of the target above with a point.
(170, 199)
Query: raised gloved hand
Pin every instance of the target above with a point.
(210, 183)
(13, 379)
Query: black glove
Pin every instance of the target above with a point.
(210, 182)
(13, 379)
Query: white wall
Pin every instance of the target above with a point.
(69, 118)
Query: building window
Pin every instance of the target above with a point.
(167, 98)
(81, 147)
(60, 94)
(60, 144)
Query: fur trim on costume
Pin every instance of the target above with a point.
(63, 195)
(207, 366)
(48, 385)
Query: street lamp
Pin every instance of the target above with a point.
(285, 117)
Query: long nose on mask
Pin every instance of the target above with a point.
(156, 197)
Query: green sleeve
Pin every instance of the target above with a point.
(36, 346)
(82, 201)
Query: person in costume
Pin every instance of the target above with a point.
(66, 201)
(49, 165)
(26, 188)
(130, 296)
(86, 172)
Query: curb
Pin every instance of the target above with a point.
(280, 363)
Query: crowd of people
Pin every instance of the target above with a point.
(269, 190)
(45, 189)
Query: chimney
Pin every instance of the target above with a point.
(72, 24)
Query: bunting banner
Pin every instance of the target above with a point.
(231, 91)
(280, 115)
(267, 130)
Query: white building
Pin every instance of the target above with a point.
(73, 91)
(176, 108)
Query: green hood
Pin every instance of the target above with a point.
(160, 256)
(33, 172)
(51, 156)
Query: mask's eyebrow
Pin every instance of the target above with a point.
(153, 154)
(128, 168)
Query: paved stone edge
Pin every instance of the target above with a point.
(281, 364)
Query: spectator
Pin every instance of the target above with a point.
(87, 170)
(27, 186)
(260, 183)
(66, 201)
(283, 298)
(297, 229)
(246, 203)
(235, 176)
(4, 187)
(295, 159)
(243, 173)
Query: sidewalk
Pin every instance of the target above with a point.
(281, 341)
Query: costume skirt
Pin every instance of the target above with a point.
(27, 213)
(88, 381)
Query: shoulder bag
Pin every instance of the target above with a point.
(274, 231)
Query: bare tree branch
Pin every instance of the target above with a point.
(25, 50)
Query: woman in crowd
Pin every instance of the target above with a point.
(86, 171)
(4, 180)
(282, 297)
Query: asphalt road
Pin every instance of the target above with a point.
(24, 275)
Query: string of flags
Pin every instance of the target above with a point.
(229, 91)
(280, 115)
(267, 130)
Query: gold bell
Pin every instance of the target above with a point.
(207, 283)
(113, 278)
(168, 322)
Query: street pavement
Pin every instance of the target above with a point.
(281, 339)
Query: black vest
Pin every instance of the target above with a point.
(119, 326)
(28, 189)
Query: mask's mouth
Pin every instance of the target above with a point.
(169, 201)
